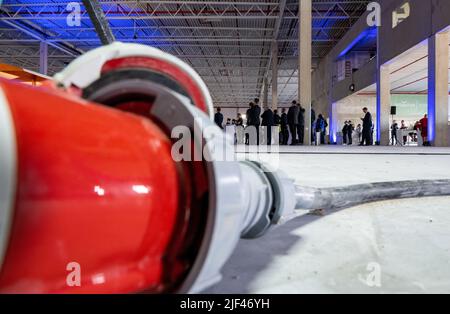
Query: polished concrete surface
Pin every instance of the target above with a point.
(386, 247)
(354, 149)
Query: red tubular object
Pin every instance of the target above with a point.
(96, 186)
(167, 69)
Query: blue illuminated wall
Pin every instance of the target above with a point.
(366, 41)
(379, 64)
(431, 90)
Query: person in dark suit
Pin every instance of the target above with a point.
(313, 125)
(277, 120)
(256, 118)
(249, 114)
(249, 122)
(301, 124)
(284, 127)
(218, 118)
(256, 114)
(268, 121)
(367, 128)
(239, 120)
(345, 133)
(394, 130)
(350, 131)
(293, 121)
(321, 127)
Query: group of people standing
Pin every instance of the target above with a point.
(290, 124)
(364, 132)
(296, 124)
(347, 132)
(266, 120)
(420, 127)
(394, 133)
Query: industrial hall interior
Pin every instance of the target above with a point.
(224, 147)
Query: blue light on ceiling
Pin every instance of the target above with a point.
(367, 37)
(126, 29)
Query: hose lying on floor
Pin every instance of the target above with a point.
(349, 196)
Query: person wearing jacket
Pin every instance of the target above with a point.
(249, 122)
(255, 113)
(284, 127)
(424, 130)
(321, 127)
(249, 114)
(359, 132)
(367, 128)
(218, 118)
(404, 130)
(394, 130)
(350, 130)
(277, 119)
(345, 133)
(239, 129)
(268, 121)
(239, 120)
(301, 125)
(415, 135)
(292, 116)
(313, 125)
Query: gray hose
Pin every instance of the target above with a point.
(344, 197)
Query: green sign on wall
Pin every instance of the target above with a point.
(410, 105)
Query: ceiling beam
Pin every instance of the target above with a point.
(98, 18)
(35, 32)
(276, 33)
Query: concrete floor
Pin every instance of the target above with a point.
(386, 247)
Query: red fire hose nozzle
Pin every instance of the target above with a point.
(94, 195)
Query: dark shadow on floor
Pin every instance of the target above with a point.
(253, 256)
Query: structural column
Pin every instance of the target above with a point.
(266, 93)
(43, 58)
(333, 114)
(305, 60)
(383, 105)
(438, 131)
(274, 75)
